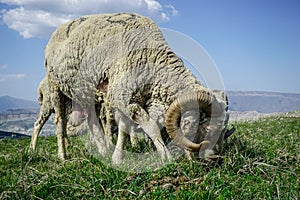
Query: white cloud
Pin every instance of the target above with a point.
(3, 66)
(35, 23)
(9, 77)
(172, 9)
(39, 18)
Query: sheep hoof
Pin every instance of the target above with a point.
(62, 156)
(31, 149)
(117, 157)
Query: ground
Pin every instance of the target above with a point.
(261, 161)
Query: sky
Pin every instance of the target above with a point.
(255, 44)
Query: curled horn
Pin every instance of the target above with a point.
(204, 101)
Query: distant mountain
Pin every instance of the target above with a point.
(18, 115)
(263, 102)
(11, 103)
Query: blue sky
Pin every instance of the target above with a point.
(254, 43)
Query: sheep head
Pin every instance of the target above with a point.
(197, 122)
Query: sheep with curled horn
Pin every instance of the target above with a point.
(125, 57)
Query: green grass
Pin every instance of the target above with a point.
(261, 161)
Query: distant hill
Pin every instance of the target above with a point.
(263, 102)
(18, 115)
(8, 103)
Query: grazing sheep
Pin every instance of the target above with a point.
(125, 57)
(47, 108)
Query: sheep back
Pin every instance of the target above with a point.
(83, 54)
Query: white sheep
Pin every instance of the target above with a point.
(45, 100)
(126, 57)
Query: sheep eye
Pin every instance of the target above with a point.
(186, 122)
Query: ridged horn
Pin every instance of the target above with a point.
(206, 103)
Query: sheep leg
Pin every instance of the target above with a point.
(123, 125)
(104, 111)
(151, 129)
(134, 140)
(97, 135)
(45, 112)
(108, 125)
(105, 118)
(61, 123)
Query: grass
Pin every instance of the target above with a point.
(261, 161)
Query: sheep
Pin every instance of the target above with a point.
(126, 57)
(47, 108)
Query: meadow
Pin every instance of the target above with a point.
(261, 161)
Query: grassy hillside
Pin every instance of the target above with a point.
(261, 162)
